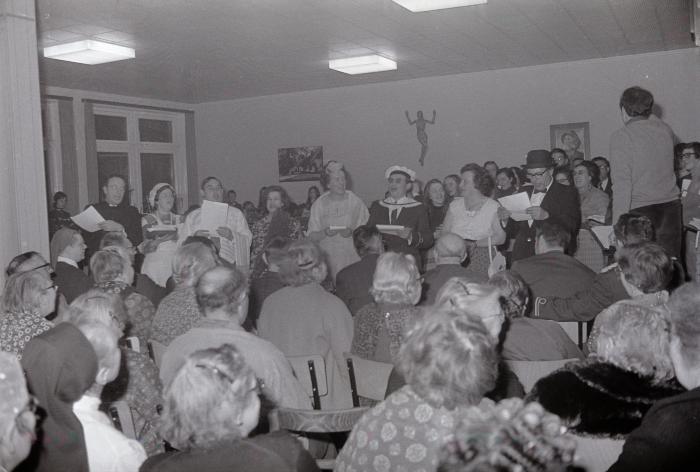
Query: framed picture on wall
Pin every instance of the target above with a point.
(300, 163)
(573, 138)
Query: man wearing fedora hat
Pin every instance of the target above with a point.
(549, 200)
(399, 208)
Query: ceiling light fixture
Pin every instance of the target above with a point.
(89, 52)
(428, 5)
(362, 64)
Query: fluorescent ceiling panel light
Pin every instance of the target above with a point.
(428, 5)
(89, 52)
(362, 64)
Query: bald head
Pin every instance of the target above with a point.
(450, 246)
(221, 291)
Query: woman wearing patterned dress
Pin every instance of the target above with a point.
(275, 221)
(160, 248)
(334, 216)
(449, 361)
(113, 273)
(380, 327)
(474, 216)
(27, 299)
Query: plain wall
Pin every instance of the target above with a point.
(493, 115)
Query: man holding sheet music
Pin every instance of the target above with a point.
(118, 215)
(223, 224)
(402, 220)
(548, 200)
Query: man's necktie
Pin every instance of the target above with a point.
(394, 216)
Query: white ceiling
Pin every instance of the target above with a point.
(205, 50)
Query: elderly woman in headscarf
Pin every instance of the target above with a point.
(276, 221)
(334, 216)
(160, 234)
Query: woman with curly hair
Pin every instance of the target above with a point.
(211, 406)
(474, 216)
(275, 221)
(507, 436)
(449, 361)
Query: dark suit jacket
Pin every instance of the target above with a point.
(554, 274)
(587, 302)
(352, 284)
(667, 439)
(71, 281)
(435, 278)
(414, 217)
(562, 204)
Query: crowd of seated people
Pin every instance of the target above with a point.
(195, 327)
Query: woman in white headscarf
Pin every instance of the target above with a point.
(334, 216)
(160, 234)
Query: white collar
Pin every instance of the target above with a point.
(68, 261)
(401, 201)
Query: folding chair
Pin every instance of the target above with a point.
(123, 420)
(156, 350)
(311, 373)
(368, 379)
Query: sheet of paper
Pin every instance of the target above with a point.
(89, 219)
(214, 215)
(389, 229)
(517, 204)
(605, 235)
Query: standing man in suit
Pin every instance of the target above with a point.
(605, 183)
(549, 200)
(401, 209)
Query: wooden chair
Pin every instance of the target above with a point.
(316, 421)
(156, 350)
(121, 416)
(529, 372)
(311, 373)
(367, 378)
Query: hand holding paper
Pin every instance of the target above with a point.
(517, 204)
(89, 219)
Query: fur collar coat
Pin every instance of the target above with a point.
(599, 399)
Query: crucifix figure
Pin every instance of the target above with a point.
(422, 136)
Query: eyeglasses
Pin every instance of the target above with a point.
(537, 174)
(50, 287)
(688, 155)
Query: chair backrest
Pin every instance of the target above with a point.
(529, 372)
(156, 349)
(121, 416)
(367, 378)
(311, 373)
(597, 454)
(578, 331)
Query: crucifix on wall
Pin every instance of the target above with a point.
(422, 136)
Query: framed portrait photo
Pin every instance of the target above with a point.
(300, 163)
(573, 138)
